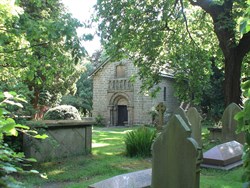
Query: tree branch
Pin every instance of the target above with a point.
(208, 6)
(244, 45)
(185, 20)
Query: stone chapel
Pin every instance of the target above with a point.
(120, 102)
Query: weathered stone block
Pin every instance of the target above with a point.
(66, 138)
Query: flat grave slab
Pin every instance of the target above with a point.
(224, 156)
(138, 179)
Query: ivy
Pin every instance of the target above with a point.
(10, 161)
(243, 118)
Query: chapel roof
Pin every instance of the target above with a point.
(165, 70)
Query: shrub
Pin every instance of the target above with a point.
(63, 112)
(99, 121)
(138, 142)
(243, 118)
(12, 162)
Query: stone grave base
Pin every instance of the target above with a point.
(224, 156)
(228, 167)
(138, 179)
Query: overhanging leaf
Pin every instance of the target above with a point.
(41, 136)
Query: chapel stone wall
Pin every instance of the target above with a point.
(106, 87)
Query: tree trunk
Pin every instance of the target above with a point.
(35, 100)
(35, 104)
(233, 51)
(232, 82)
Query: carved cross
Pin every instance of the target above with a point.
(161, 108)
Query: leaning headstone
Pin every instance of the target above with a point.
(224, 156)
(161, 108)
(229, 124)
(181, 112)
(176, 157)
(195, 121)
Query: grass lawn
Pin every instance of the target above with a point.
(108, 160)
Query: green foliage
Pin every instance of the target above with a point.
(10, 161)
(99, 121)
(243, 118)
(183, 36)
(82, 99)
(40, 48)
(153, 34)
(13, 85)
(62, 112)
(245, 20)
(138, 142)
(212, 103)
(72, 100)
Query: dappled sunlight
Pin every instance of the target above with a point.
(109, 153)
(97, 145)
(143, 164)
(55, 172)
(114, 132)
(113, 138)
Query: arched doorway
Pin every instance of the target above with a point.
(120, 110)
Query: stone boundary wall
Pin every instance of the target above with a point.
(66, 138)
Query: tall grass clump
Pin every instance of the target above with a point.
(138, 142)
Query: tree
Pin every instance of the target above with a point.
(212, 103)
(82, 99)
(39, 47)
(184, 34)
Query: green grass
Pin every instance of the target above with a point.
(221, 179)
(108, 159)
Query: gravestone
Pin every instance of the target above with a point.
(182, 113)
(229, 125)
(195, 120)
(224, 156)
(161, 108)
(138, 179)
(176, 157)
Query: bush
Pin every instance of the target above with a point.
(12, 162)
(243, 119)
(138, 142)
(63, 112)
(99, 121)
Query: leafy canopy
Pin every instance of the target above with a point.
(159, 35)
(39, 46)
